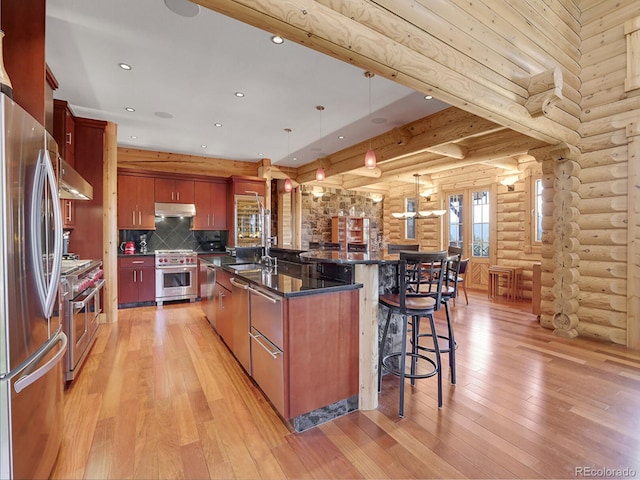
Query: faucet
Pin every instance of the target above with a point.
(267, 260)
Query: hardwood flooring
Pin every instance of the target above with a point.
(160, 396)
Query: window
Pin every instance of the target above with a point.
(537, 211)
(481, 217)
(533, 219)
(410, 229)
(456, 222)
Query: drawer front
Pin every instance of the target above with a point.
(136, 261)
(266, 315)
(268, 369)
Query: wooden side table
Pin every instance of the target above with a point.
(512, 279)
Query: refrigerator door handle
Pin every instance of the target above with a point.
(47, 293)
(30, 376)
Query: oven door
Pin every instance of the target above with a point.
(83, 313)
(176, 283)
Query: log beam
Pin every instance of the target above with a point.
(369, 35)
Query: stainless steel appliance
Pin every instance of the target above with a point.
(267, 344)
(32, 343)
(80, 290)
(240, 306)
(176, 275)
(248, 221)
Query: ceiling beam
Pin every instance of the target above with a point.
(434, 131)
(385, 38)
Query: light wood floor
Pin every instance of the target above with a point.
(161, 397)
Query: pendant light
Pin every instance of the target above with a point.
(370, 157)
(320, 176)
(288, 184)
(419, 214)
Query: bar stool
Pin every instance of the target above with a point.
(449, 291)
(420, 279)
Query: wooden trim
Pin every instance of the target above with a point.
(633, 237)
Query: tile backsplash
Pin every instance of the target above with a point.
(175, 233)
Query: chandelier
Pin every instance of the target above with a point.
(419, 214)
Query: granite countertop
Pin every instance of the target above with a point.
(329, 256)
(281, 283)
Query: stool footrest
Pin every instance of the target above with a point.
(394, 371)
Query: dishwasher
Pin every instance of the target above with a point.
(241, 345)
(267, 345)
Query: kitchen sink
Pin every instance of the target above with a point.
(245, 267)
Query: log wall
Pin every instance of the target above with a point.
(512, 244)
(607, 241)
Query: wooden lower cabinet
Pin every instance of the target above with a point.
(136, 279)
(314, 352)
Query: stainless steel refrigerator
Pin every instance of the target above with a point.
(32, 344)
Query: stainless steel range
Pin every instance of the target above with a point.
(80, 286)
(176, 275)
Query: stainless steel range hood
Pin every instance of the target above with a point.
(175, 209)
(71, 185)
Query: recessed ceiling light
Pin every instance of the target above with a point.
(428, 97)
(130, 109)
(278, 40)
(134, 136)
(261, 154)
(124, 66)
(163, 115)
(341, 137)
(217, 125)
(203, 146)
(239, 94)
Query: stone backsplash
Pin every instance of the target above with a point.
(317, 212)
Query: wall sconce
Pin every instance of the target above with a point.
(509, 182)
(427, 194)
(376, 198)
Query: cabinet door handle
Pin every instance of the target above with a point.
(274, 353)
(141, 276)
(139, 217)
(135, 276)
(133, 217)
(268, 297)
(171, 196)
(208, 220)
(177, 195)
(213, 219)
(138, 261)
(68, 138)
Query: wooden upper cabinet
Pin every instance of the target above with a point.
(247, 185)
(174, 191)
(136, 210)
(211, 206)
(64, 130)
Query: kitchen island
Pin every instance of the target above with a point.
(294, 333)
(375, 271)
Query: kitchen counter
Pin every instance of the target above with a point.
(283, 284)
(373, 271)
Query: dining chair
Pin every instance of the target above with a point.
(415, 298)
(462, 279)
(398, 247)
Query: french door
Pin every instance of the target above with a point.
(471, 226)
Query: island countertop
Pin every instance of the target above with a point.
(283, 283)
(366, 258)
